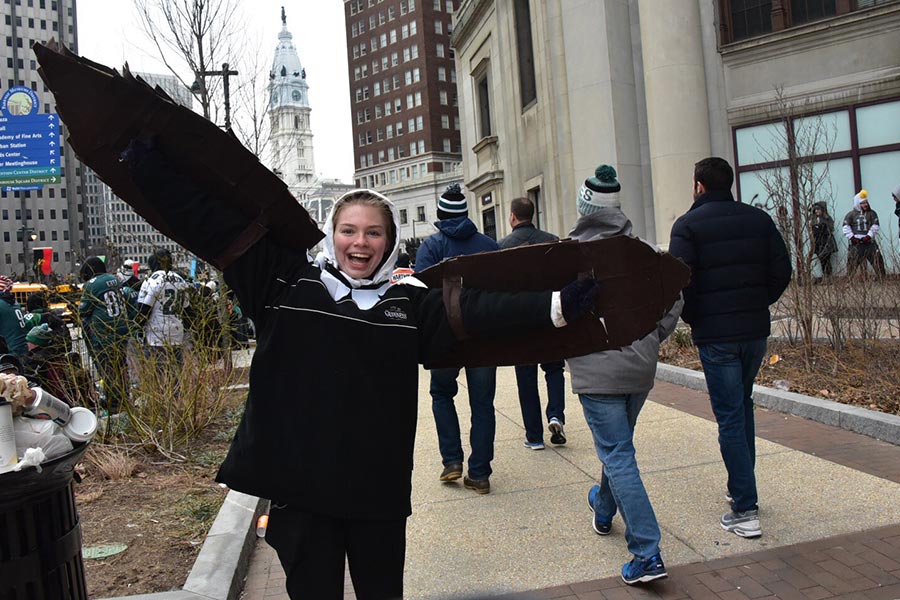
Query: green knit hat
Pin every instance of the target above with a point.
(591, 196)
(40, 335)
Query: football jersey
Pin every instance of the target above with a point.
(166, 293)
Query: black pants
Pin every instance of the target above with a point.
(312, 549)
(859, 254)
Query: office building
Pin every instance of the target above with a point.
(403, 98)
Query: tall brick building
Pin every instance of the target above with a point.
(403, 102)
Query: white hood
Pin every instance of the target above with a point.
(381, 278)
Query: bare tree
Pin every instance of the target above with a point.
(797, 182)
(251, 99)
(199, 34)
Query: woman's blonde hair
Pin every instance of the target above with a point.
(365, 198)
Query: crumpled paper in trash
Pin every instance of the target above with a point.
(33, 458)
(40, 433)
(15, 389)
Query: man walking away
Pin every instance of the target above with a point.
(457, 235)
(860, 227)
(612, 387)
(739, 266)
(521, 214)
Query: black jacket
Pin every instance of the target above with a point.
(525, 234)
(330, 418)
(739, 266)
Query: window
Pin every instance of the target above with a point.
(381, 19)
(374, 67)
(446, 145)
(449, 6)
(445, 121)
(442, 74)
(411, 125)
(408, 76)
(418, 98)
(398, 105)
(384, 63)
(391, 13)
(379, 134)
(412, 5)
(378, 111)
(421, 146)
(414, 50)
(372, 22)
(742, 19)
(527, 83)
(373, 44)
(390, 154)
(440, 51)
(403, 217)
(438, 27)
(389, 132)
(404, 32)
(443, 97)
(420, 122)
(484, 106)
(406, 55)
(412, 28)
(412, 148)
(409, 101)
(387, 108)
(420, 214)
(394, 59)
(415, 74)
(403, 7)
(383, 40)
(399, 128)
(437, 5)
(393, 36)
(456, 123)
(377, 89)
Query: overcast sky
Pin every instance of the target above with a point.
(109, 33)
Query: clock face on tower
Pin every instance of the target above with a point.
(296, 96)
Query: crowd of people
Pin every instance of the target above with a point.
(120, 317)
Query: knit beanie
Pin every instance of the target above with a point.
(592, 195)
(453, 202)
(40, 335)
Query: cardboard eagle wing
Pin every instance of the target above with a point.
(103, 111)
(638, 287)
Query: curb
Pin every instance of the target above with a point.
(874, 424)
(218, 573)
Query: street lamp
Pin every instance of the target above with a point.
(197, 86)
(26, 233)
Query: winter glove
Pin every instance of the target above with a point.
(577, 298)
(854, 241)
(865, 240)
(136, 150)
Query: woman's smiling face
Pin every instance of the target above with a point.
(360, 239)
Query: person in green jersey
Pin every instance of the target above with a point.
(105, 316)
(12, 319)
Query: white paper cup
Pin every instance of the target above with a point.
(8, 457)
(82, 425)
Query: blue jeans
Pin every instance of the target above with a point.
(730, 369)
(530, 400)
(482, 384)
(612, 420)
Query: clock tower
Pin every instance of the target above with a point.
(291, 156)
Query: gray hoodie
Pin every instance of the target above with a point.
(627, 370)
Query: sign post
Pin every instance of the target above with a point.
(29, 142)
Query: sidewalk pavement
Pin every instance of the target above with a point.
(830, 511)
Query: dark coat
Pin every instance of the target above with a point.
(739, 266)
(455, 237)
(525, 234)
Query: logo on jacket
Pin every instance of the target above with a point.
(395, 313)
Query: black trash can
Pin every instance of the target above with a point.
(40, 534)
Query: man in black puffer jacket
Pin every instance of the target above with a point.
(739, 266)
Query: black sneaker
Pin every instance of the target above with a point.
(557, 432)
(744, 524)
(451, 472)
(481, 486)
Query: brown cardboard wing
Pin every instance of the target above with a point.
(103, 111)
(638, 287)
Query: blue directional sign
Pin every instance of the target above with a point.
(29, 142)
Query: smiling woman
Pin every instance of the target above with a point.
(363, 230)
